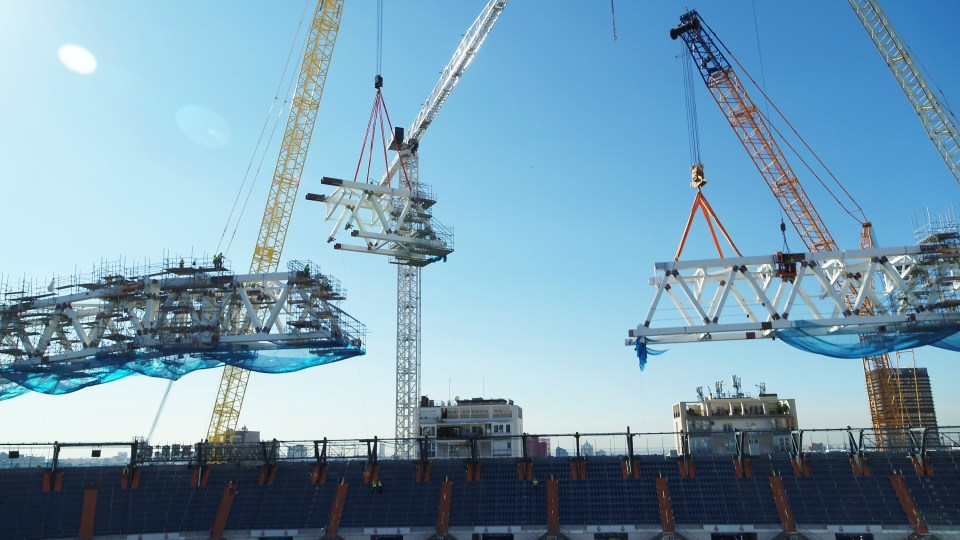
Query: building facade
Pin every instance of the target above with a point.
(918, 409)
(711, 423)
(495, 424)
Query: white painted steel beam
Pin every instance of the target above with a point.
(176, 311)
(908, 287)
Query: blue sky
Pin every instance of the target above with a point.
(561, 161)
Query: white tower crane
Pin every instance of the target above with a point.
(396, 222)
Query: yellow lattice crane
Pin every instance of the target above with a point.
(283, 193)
(937, 121)
(883, 383)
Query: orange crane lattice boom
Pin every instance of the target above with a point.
(758, 140)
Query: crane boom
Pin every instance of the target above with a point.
(747, 121)
(283, 192)
(937, 121)
(450, 76)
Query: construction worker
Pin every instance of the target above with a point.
(536, 483)
(306, 270)
(218, 260)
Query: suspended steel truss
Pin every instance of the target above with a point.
(149, 322)
(912, 289)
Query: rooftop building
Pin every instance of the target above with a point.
(711, 422)
(451, 426)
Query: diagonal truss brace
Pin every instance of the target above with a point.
(807, 293)
(169, 314)
(395, 222)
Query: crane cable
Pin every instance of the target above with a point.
(379, 117)
(756, 32)
(379, 36)
(277, 121)
(693, 128)
(613, 15)
(763, 79)
(852, 213)
(163, 401)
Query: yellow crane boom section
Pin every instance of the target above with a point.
(283, 193)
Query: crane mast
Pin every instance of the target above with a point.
(937, 121)
(395, 219)
(748, 123)
(408, 276)
(283, 192)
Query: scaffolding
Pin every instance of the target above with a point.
(169, 319)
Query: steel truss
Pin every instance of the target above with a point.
(177, 310)
(906, 286)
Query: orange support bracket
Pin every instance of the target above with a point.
(223, 512)
(553, 507)
(319, 475)
(443, 512)
(267, 475)
(52, 481)
(371, 472)
(200, 476)
(336, 511)
(130, 480)
(578, 468)
(473, 471)
(423, 471)
(783, 505)
(666, 509)
(87, 514)
(909, 506)
(741, 467)
(525, 469)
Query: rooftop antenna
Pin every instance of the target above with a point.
(763, 388)
(719, 388)
(700, 393)
(736, 386)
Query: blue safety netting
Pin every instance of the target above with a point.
(65, 377)
(950, 343)
(851, 344)
(643, 351)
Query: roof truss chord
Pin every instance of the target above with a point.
(178, 313)
(906, 288)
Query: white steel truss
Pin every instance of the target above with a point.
(755, 297)
(178, 310)
(391, 221)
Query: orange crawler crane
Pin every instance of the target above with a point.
(883, 386)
